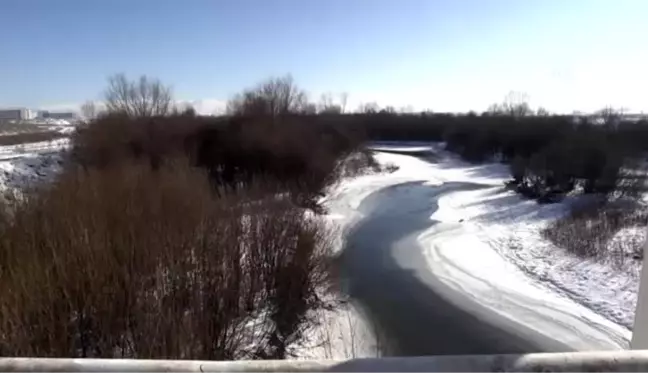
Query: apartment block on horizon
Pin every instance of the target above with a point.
(17, 114)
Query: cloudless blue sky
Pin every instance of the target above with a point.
(443, 55)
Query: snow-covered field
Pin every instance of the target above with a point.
(37, 125)
(487, 244)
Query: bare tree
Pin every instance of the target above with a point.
(309, 109)
(407, 109)
(89, 110)
(184, 109)
(344, 97)
(515, 104)
(388, 110)
(276, 96)
(610, 116)
(326, 100)
(369, 108)
(142, 98)
(328, 106)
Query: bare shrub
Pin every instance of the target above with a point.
(116, 137)
(299, 157)
(327, 104)
(276, 96)
(145, 97)
(588, 232)
(90, 111)
(290, 154)
(609, 116)
(368, 108)
(632, 180)
(515, 104)
(133, 262)
(360, 162)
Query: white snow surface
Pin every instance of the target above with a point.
(21, 172)
(341, 333)
(28, 164)
(487, 245)
(33, 148)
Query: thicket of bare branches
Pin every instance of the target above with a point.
(132, 262)
(298, 155)
(89, 110)
(145, 97)
(368, 108)
(329, 105)
(276, 96)
(589, 231)
(515, 104)
(177, 236)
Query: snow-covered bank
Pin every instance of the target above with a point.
(340, 333)
(486, 243)
(344, 332)
(27, 164)
(19, 172)
(469, 255)
(512, 227)
(33, 148)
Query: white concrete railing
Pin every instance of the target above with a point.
(640, 327)
(610, 361)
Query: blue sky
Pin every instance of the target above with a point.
(450, 55)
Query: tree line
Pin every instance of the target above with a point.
(549, 155)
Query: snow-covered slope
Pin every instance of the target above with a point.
(512, 227)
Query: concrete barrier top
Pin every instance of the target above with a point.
(608, 361)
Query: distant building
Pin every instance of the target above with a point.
(14, 114)
(32, 114)
(59, 115)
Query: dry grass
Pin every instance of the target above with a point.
(133, 262)
(589, 231)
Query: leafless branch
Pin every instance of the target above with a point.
(143, 98)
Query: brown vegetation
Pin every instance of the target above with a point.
(173, 237)
(29, 137)
(293, 153)
(588, 231)
(131, 262)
